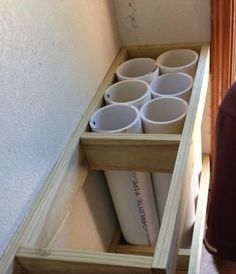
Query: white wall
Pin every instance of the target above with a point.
(53, 55)
(163, 21)
(143, 22)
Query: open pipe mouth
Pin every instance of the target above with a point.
(164, 111)
(115, 118)
(177, 58)
(172, 84)
(145, 69)
(133, 92)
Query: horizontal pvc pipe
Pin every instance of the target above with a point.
(172, 84)
(133, 92)
(189, 222)
(178, 60)
(145, 69)
(132, 192)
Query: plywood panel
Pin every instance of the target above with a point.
(91, 222)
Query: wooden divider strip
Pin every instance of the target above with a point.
(68, 262)
(198, 232)
(140, 152)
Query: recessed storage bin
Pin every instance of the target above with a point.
(74, 228)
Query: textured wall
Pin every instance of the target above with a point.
(53, 55)
(162, 21)
(144, 22)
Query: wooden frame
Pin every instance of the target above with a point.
(47, 261)
(222, 54)
(73, 167)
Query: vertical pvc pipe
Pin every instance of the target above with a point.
(132, 192)
(172, 84)
(197, 150)
(161, 182)
(166, 115)
(145, 69)
(190, 215)
(132, 92)
(178, 60)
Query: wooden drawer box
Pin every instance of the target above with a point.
(56, 239)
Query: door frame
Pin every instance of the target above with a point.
(222, 55)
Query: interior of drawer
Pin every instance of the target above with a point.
(91, 223)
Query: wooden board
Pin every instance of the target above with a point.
(119, 151)
(182, 258)
(49, 261)
(153, 51)
(198, 232)
(65, 262)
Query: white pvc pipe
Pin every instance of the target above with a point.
(197, 152)
(172, 84)
(116, 118)
(178, 60)
(132, 192)
(163, 115)
(145, 69)
(190, 214)
(166, 115)
(132, 92)
(161, 183)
